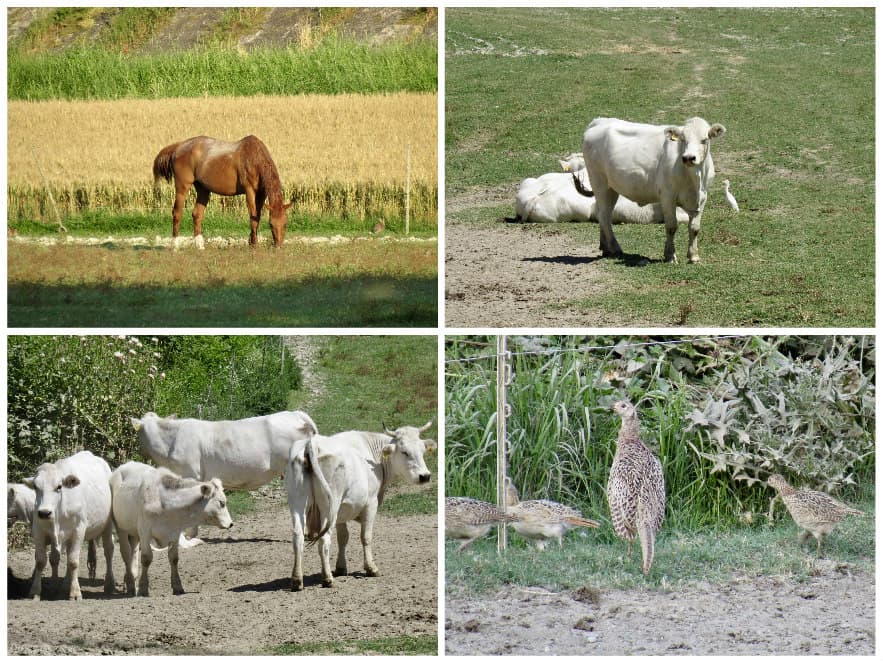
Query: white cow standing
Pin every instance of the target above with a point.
(552, 198)
(650, 164)
(332, 480)
(154, 505)
(20, 500)
(244, 453)
(72, 503)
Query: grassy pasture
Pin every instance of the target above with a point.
(359, 284)
(340, 156)
(520, 91)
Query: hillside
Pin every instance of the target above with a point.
(151, 30)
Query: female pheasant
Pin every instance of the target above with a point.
(636, 487)
(813, 511)
(542, 520)
(468, 519)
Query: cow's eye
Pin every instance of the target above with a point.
(58, 488)
(223, 504)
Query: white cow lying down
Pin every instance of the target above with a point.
(20, 502)
(72, 505)
(332, 480)
(553, 198)
(154, 505)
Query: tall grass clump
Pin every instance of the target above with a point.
(334, 66)
(562, 432)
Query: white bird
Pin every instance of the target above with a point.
(731, 201)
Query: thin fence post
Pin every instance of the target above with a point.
(503, 374)
(408, 190)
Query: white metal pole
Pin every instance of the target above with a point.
(502, 411)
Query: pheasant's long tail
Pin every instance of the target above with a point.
(582, 522)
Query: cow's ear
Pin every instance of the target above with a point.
(673, 133)
(10, 495)
(136, 423)
(716, 130)
(71, 481)
(429, 445)
(387, 450)
(28, 481)
(206, 489)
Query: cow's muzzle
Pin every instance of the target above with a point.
(44, 514)
(689, 160)
(424, 478)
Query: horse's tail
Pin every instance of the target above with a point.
(164, 164)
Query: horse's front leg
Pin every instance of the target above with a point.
(255, 202)
(202, 197)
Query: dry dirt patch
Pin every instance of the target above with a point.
(832, 614)
(237, 599)
(516, 275)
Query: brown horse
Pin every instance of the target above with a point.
(227, 169)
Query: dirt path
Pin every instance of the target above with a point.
(831, 614)
(305, 350)
(237, 599)
(515, 275)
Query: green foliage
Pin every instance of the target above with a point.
(797, 255)
(411, 504)
(412, 645)
(562, 432)
(226, 377)
(68, 393)
(333, 67)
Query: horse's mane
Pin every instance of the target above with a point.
(266, 167)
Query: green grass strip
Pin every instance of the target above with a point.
(395, 645)
(333, 67)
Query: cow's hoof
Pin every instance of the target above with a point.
(178, 592)
(673, 260)
(327, 582)
(35, 597)
(297, 585)
(694, 261)
(340, 572)
(372, 572)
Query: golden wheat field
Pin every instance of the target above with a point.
(313, 138)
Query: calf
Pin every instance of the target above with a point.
(332, 480)
(650, 164)
(156, 505)
(72, 502)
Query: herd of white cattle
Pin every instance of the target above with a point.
(330, 480)
(630, 173)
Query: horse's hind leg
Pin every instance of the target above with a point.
(181, 191)
(202, 196)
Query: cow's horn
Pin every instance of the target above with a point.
(387, 430)
(426, 427)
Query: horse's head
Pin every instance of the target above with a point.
(278, 221)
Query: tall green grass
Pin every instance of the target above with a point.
(334, 66)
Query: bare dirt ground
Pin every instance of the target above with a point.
(518, 275)
(238, 599)
(830, 614)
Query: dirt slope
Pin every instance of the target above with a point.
(274, 26)
(237, 599)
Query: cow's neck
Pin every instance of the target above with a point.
(376, 443)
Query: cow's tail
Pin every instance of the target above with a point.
(319, 508)
(164, 164)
